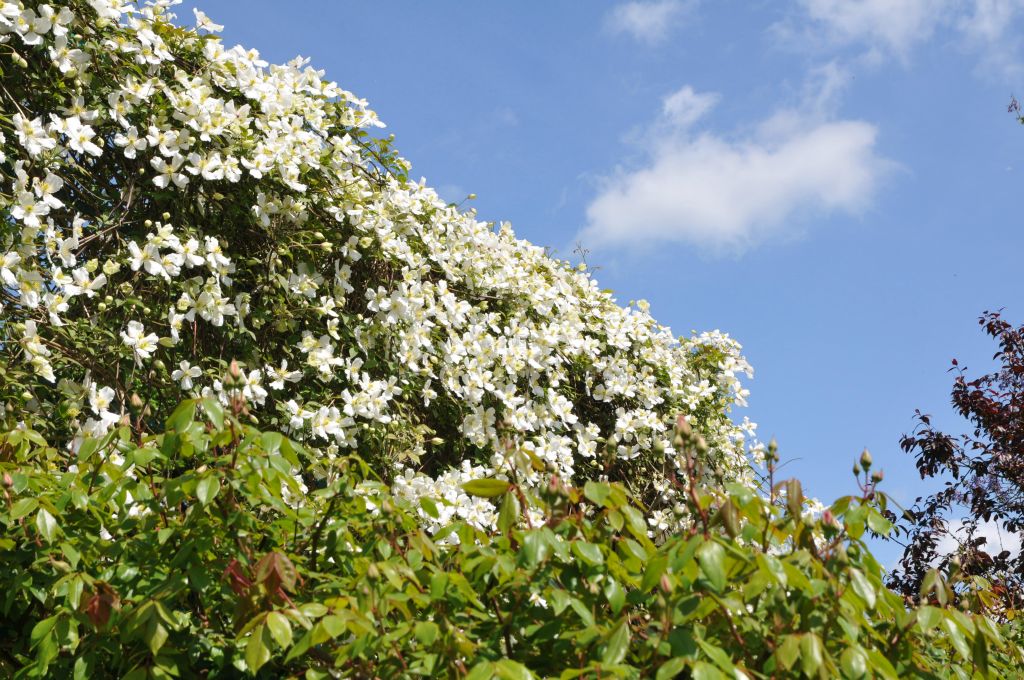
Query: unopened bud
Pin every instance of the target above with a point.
(8, 480)
(877, 476)
(471, 197)
(234, 371)
(166, 216)
(373, 572)
(147, 224)
(865, 460)
(437, 441)
(856, 469)
(135, 401)
(683, 426)
(666, 584)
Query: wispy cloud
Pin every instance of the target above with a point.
(992, 28)
(729, 192)
(997, 538)
(883, 29)
(890, 27)
(684, 107)
(649, 22)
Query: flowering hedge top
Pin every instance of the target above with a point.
(170, 205)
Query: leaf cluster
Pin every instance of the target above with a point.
(186, 554)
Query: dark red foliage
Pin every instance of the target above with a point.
(984, 472)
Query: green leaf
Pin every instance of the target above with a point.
(956, 636)
(256, 651)
(854, 663)
(811, 653)
(24, 507)
(42, 629)
(670, 669)
(878, 523)
(615, 594)
(47, 525)
(509, 513)
(426, 632)
(788, 651)
(280, 629)
(854, 521)
(429, 507)
(863, 587)
(535, 548)
(652, 575)
(182, 416)
(702, 670)
(482, 671)
(507, 669)
(711, 558)
(271, 441)
(928, 617)
(207, 488)
(214, 411)
(596, 492)
(155, 635)
(588, 552)
(618, 644)
(486, 488)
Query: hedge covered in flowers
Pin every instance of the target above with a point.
(170, 204)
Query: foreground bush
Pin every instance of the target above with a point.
(189, 554)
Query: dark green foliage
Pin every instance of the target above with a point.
(185, 555)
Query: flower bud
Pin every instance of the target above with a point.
(234, 371)
(8, 480)
(666, 584)
(135, 401)
(877, 476)
(865, 460)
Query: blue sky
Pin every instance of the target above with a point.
(835, 183)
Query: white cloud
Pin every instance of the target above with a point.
(998, 539)
(684, 107)
(892, 26)
(989, 28)
(650, 21)
(731, 192)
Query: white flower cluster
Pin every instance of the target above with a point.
(365, 311)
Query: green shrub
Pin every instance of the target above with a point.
(189, 554)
